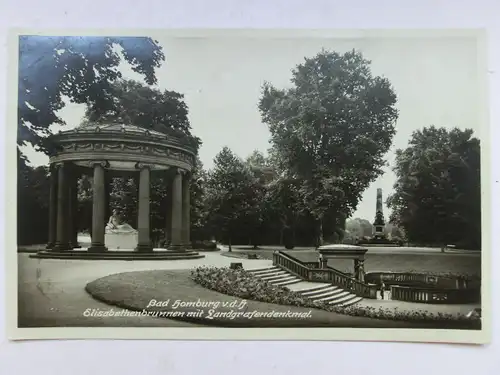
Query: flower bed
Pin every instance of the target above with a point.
(242, 284)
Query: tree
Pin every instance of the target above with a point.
(284, 205)
(198, 213)
(331, 130)
(144, 106)
(33, 186)
(263, 174)
(81, 68)
(231, 198)
(437, 195)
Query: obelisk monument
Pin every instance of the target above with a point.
(379, 223)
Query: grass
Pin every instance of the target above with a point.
(435, 262)
(135, 290)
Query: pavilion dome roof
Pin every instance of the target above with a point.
(122, 146)
(116, 127)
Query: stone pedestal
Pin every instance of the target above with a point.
(120, 241)
(341, 251)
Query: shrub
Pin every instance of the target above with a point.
(243, 284)
(397, 240)
(204, 245)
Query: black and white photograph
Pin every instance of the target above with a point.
(250, 181)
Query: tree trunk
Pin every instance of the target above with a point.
(230, 248)
(282, 230)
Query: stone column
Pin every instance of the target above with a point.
(186, 210)
(168, 213)
(53, 206)
(62, 240)
(176, 236)
(143, 218)
(75, 205)
(72, 206)
(98, 207)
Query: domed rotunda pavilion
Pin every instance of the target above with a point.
(106, 150)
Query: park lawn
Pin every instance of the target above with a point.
(408, 262)
(135, 290)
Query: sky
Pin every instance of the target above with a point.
(435, 79)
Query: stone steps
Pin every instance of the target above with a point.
(265, 271)
(323, 292)
(319, 290)
(331, 294)
(278, 275)
(275, 276)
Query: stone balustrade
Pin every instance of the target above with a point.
(434, 295)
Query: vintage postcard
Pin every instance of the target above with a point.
(237, 184)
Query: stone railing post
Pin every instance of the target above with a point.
(356, 269)
(98, 207)
(361, 270)
(143, 219)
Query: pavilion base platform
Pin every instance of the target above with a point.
(122, 254)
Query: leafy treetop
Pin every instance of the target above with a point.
(81, 68)
(437, 195)
(147, 107)
(332, 129)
